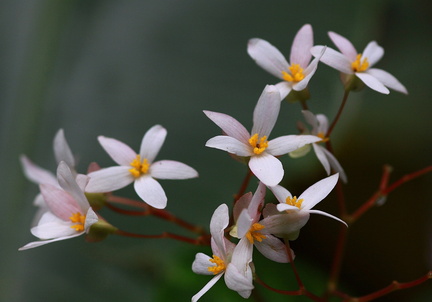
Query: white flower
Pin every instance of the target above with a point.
(296, 75)
(68, 212)
(141, 169)
(350, 62)
(319, 125)
(228, 259)
(291, 214)
(262, 152)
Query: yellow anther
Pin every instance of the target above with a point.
(259, 145)
(254, 234)
(360, 65)
(139, 167)
(296, 73)
(79, 219)
(292, 201)
(323, 137)
(220, 265)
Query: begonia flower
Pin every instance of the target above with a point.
(287, 218)
(228, 259)
(353, 64)
(68, 212)
(255, 145)
(140, 169)
(296, 74)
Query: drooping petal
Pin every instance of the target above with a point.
(109, 179)
(273, 249)
(207, 287)
(336, 166)
(50, 226)
(37, 174)
(229, 125)
(284, 88)
(285, 225)
(321, 155)
(121, 153)
(152, 142)
(229, 144)
(43, 242)
(387, 79)
(266, 111)
(170, 169)
(59, 202)
(267, 57)
(300, 49)
(68, 183)
(201, 264)
(372, 82)
(149, 190)
(344, 45)
(373, 52)
(267, 168)
(318, 191)
(288, 143)
(218, 223)
(327, 214)
(62, 152)
(333, 59)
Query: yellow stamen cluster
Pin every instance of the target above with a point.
(259, 145)
(292, 201)
(220, 265)
(296, 73)
(358, 65)
(79, 219)
(139, 168)
(254, 234)
(323, 137)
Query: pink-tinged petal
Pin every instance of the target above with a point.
(333, 59)
(318, 191)
(40, 243)
(50, 227)
(288, 143)
(201, 264)
(257, 202)
(328, 215)
(170, 169)
(269, 210)
(266, 111)
(300, 49)
(267, 57)
(244, 223)
(373, 52)
(218, 223)
(109, 179)
(286, 225)
(267, 169)
(280, 193)
(229, 125)
(273, 249)
(284, 88)
(82, 181)
(59, 202)
(336, 166)
(207, 287)
(321, 155)
(36, 174)
(62, 152)
(121, 153)
(344, 45)
(68, 183)
(91, 218)
(152, 142)
(241, 204)
(387, 79)
(372, 82)
(229, 144)
(149, 190)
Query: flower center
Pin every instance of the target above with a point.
(139, 167)
(323, 138)
(254, 234)
(360, 65)
(79, 219)
(292, 201)
(259, 144)
(220, 265)
(295, 73)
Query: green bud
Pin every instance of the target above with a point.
(96, 200)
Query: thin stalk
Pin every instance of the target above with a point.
(336, 119)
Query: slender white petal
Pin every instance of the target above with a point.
(284, 88)
(206, 287)
(62, 152)
(318, 191)
(241, 204)
(303, 42)
(152, 142)
(109, 179)
(68, 183)
(323, 123)
(53, 229)
(59, 202)
(321, 155)
(280, 193)
(266, 111)
(229, 125)
(218, 224)
(257, 202)
(326, 214)
(344, 45)
(273, 249)
(333, 58)
(37, 174)
(288, 143)
(43, 242)
(387, 79)
(334, 163)
(91, 218)
(286, 207)
(312, 120)
(372, 82)
(373, 52)
(201, 264)
(244, 223)
(149, 190)
(267, 168)
(121, 153)
(267, 57)
(230, 144)
(170, 169)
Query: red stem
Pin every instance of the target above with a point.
(333, 124)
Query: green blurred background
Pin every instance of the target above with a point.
(116, 68)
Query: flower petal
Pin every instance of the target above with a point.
(152, 142)
(59, 202)
(68, 183)
(51, 226)
(62, 152)
(91, 218)
(336, 166)
(149, 190)
(266, 111)
(229, 144)
(372, 82)
(286, 225)
(273, 249)
(284, 88)
(121, 153)
(218, 223)
(267, 168)
(267, 57)
(333, 59)
(344, 45)
(109, 179)
(280, 193)
(312, 120)
(201, 264)
(328, 215)
(244, 223)
(309, 72)
(288, 143)
(373, 52)
(43, 242)
(387, 79)
(229, 125)
(207, 287)
(318, 191)
(300, 49)
(170, 169)
(321, 155)
(36, 174)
